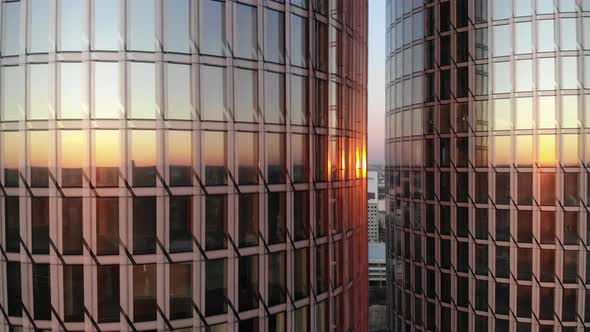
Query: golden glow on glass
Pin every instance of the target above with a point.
(214, 148)
(358, 163)
(524, 150)
(143, 147)
(569, 112)
(180, 148)
(106, 148)
(364, 161)
(524, 113)
(502, 114)
(546, 112)
(502, 151)
(73, 148)
(11, 148)
(39, 148)
(547, 154)
(569, 150)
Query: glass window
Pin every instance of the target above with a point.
(546, 33)
(144, 225)
(502, 77)
(213, 93)
(276, 158)
(568, 34)
(569, 150)
(108, 298)
(502, 9)
(181, 219)
(215, 222)
(322, 268)
(586, 27)
(547, 188)
(299, 157)
(277, 322)
(274, 97)
(502, 151)
(11, 151)
(569, 112)
(39, 158)
(144, 292)
(180, 159)
(277, 278)
(247, 157)
(212, 27)
(522, 7)
(13, 92)
(107, 227)
(72, 225)
(547, 226)
(215, 156)
(587, 67)
(141, 25)
(215, 287)
(524, 150)
(502, 114)
(524, 79)
(177, 26)
(569, 73)
(248, 219)
(298, 100)
(142, 90)
(107, 103)
(39, 26)
(14, 292)
(178, 92)
(181, 291)
(41, 292)
(143, 157)
(11, 28)
(73, 157)
(502, 34)
(106, 25)
(547, 156)
(546, 70)
(73, 98)
(277, 214)
(38, 96)
(245, 95)
(248, 283)
(71, 25)
(301, 278)
(274, 36)
(547, 117)
(298, 41)
(107, 157)
(73, 289)
(524, 113)
(300, 215)
(12, 224)
(525, 230)
(246, 32)
(524, 38)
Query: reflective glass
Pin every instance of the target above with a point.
(212, 27)
(568, 34)
(546, 113)
(73, 157)
(569, 112)
(502, 77)
(246, 32)
(39, 26)
(181, 219)
(215, 287)
(522, 7)
(73, 97)
(247, 157)
(569, 73)
(213, 107)
(274, 36)
(248, 219)
(524, 150)
(546, 70)
(73, 293)
(39, 147)
(277, 278)
(143, 157)
(248, 283)
(524, 78)
(107, 226)
(586, 27)
(180, 159)
(13, 93)
(181, 291)
(215, 222)
(107, 103)
(144, 225)
(142, 90)
(245, 95)
(144, 292)
(108, 298)
(274, 97)
(12, 224)
(141, 25)
(299, 157)
(298, 51)
(502, 150)
(524, 38)
(298, 100)
(177, 26)
(546, 36)
(276, 159)
(107, 157)
(569, 150)
(12, 150)
(40, 225)
(105, 30)
(544, 6)
(547, 151)
(502, 9)
(276, 218)
(214, 157)
(502, 114)
(11, 44)
(524, 113)
(502, 34)
(38, 95)
(71, 25)
(178, 92)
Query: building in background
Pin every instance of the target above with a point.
(377, 288)
(176, 164)
(488, 114)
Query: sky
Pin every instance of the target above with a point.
(376, 84)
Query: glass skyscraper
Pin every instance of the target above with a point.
(192, 165)
(488, 147)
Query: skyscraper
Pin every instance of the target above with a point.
(183, 165)
(488, 152)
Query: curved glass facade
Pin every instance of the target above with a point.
(488, 147)
(183, 164)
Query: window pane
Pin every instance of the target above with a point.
(524, 79)
(73, 288)
(502, 35)
(547, 156)
(300, 215)
(73, 157)
(298, 41)
(502, 77)
(301, 280)
(569, 150)
(72, 225)
(248, 283)
(71, 25)
(277, 214)
(38, 92)
(248, 220)
(245, 95)
(144, 292)
(108, 297)
(524, 150)
(178, 89)
(142, 90)
(568, 34)
(524, 38)
(276, 158)
(11, 28)
(277, 278)
(213, 93)
(106, 25)
(13, 92)
(274, 36)
(569, 73)
(274, 97)
(546, 40)
(298, 100)
(215, 287)
(39, 158)
(180, 158)
(107, 227)
(73, 95)
(41, 292)
(141, 23)
(143, 157)
(107, 104)
(247, 157)
(569, 112)
(546, 112)
(246, 32)
(181, 218)
(299, 158)
(39, 26)
(14, 292)
(11, 151)
(181, 291)
(107, 157)
(144, 225)
(177, 25)
(502, 114)
(215, 222)
(212, 27)
(522, 7)
(12, 224)
(215, 157)
(503, 151)
(524, 113)
(546, 71)
(502, 9)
